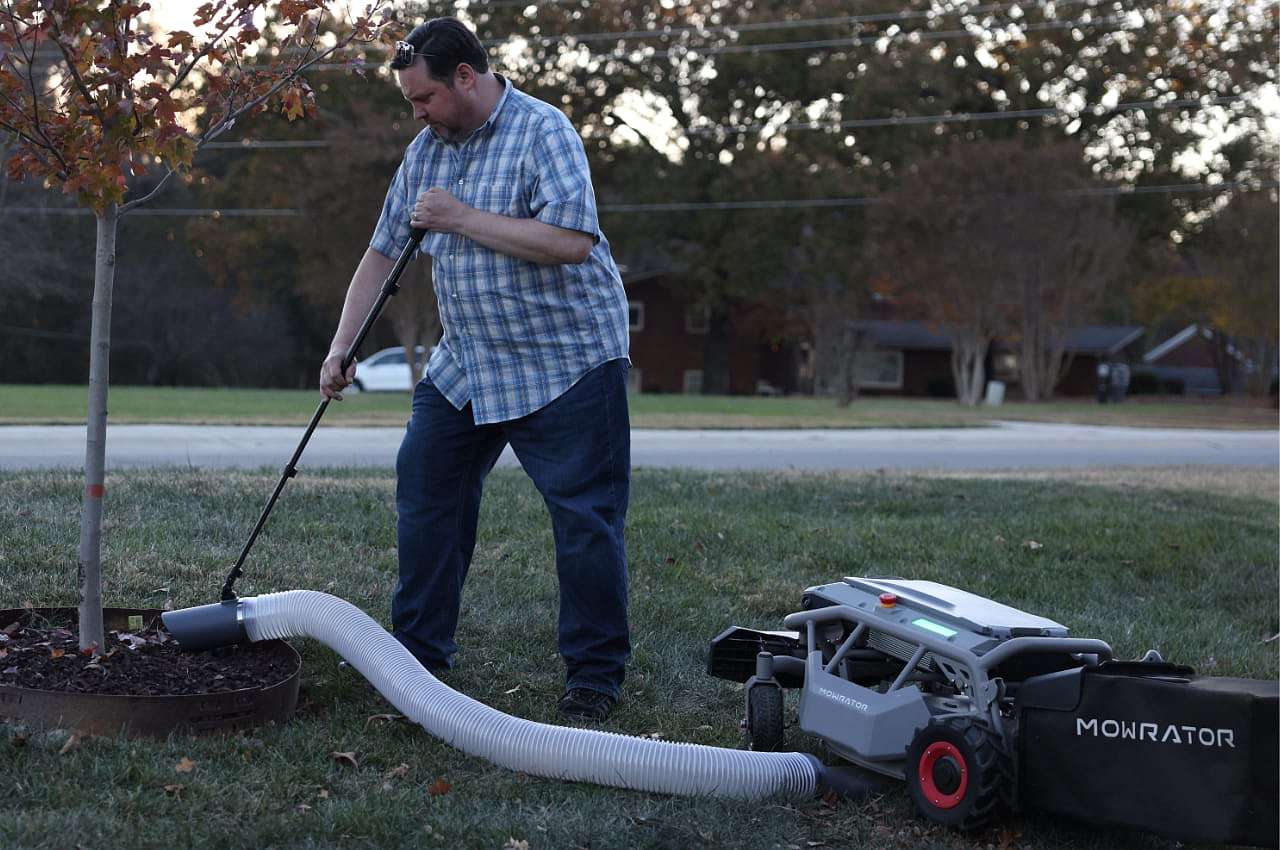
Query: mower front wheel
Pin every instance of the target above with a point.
(764, 718)
(954, 773)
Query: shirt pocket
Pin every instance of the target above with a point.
(498, 191)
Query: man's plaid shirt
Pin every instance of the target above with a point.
(517, 334)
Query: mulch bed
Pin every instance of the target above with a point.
(144, 662)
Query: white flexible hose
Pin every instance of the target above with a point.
(540, 749)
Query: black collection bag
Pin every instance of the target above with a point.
(1155, 747)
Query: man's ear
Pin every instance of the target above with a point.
(464, 75)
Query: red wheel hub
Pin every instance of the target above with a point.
(944, 776)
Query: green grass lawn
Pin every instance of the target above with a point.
(1192, 573)
(50, 404)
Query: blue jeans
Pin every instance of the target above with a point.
(577, 450)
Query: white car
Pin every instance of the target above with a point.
(386, 370)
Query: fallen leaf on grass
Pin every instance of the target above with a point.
(999, 538)
(302, 808)
(1033, 545)
(184, 765)
(383, 718)
(516, 844)
(174, 791)
(1007, 839)
(439, 788)
(72, 744)
(344, 758)
(400, 771)
(55, 654)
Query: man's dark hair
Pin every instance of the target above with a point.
(445, 43)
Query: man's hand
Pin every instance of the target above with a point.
(332, 381)
(437, 210)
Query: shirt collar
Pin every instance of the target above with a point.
(488, 122)
(497, 107)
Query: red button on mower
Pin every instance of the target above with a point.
(888, 600)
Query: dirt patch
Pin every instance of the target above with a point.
(145, 662)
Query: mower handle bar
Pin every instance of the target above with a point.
(940, 646)
(390, 287)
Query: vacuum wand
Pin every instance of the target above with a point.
(389, 288)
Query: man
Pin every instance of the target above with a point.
(534, 354)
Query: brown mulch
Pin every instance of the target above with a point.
(145, 662)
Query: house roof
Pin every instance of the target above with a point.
(1090, 339)
(892, 334)
(1171, 343)
(1103, 339)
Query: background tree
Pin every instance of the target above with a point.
(337, 180)
(1003, 239)
(94, 99)
(1239, 257)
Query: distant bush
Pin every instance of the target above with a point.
(1149, 383)
(941, 388)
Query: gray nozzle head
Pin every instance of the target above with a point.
(849, 782)
(207, 626)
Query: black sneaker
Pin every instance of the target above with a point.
(585, 704)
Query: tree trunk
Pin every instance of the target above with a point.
(90, 560)
(849, 388)
(968, 370)
(416, 321)
(715, 352)
(1223, 361)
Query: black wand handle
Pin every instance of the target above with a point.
(389, 288)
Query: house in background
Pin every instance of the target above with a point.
(913, 359)
(909, 358)
(1186, 359)
(668, 339)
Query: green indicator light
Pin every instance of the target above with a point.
(930, 626)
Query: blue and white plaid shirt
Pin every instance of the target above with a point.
(517, 334)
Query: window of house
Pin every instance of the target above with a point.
(692, 381)
(879, 369)
(697, 319)
(635, 316)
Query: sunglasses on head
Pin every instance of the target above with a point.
(405, 53)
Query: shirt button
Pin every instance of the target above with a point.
(460, 181)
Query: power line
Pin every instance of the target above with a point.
(913, 36)
(852, 123)
(174, 212)
(763, 26)
(965, 117)
(683, 206)
(252, 144)
(808, 203)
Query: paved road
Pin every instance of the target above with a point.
(1008, 445)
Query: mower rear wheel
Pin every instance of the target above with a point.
(764, 718)
(954, 773)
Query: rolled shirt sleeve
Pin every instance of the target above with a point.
(392, 232)
(562, 193)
